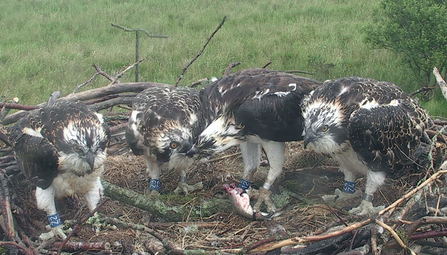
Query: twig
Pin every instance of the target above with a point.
(200, 52)
(267, 64)
(395, 235)
(6, 208)
(82, 246)
(333, 212)
(300, 240)
(412, 192)
(125, 70)
(425, 220)
(429, 234)
(229, 67)
(21, 247)
(85, 83)
(78, 225)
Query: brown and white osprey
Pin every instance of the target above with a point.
(370, 128)
(164, 124)
(254, 108)
(61, 148)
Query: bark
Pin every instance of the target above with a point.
(162, 209)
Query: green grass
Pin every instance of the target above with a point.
(49, 45)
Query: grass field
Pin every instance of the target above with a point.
(49, 45)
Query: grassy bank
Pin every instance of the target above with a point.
(49, 45)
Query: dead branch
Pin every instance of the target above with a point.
(135, 87)
(425, 220)
(301, 240)
(160, 208)
(125, 70)
(395, 235)
(82, 246)
(9, 229)
(200, 52)
(230, 66)
(440, 82)
(412, 192)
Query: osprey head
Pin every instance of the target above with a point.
(170, 141)
(324, 126)
(83, 147)
(220, 135)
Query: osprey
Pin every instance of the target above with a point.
(254, 108)
(370, 128)
(164, 123)
(61, 148)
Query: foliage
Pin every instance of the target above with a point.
(416, 30)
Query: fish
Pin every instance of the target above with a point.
(240, 200)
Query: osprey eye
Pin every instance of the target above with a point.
(174, 145)
(325, 128)
(76, 148)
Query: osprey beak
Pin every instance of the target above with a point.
(90, 158)
(191, 152)
(308, 138)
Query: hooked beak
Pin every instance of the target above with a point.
(90, 158)
(308, 138)
(191, 152)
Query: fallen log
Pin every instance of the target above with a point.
(162, 209)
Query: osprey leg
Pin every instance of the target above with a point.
(251, 154)
(373, 181)
(275, 155)
(45, 202)
(153, 170)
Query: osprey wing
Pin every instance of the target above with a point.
(389, 137)
(35, 155)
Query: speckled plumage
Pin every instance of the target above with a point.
(367, 126)
(164, 124)
(61, 148)
(253, 108)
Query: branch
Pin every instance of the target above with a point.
(301, 240)
(440, 82)
(200, 52)
(125, 70)
(160, 208)
(412, 192)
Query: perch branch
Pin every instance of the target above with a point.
(200, 52)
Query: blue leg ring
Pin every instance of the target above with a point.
(349, 187)
(244, 184)
(54, 220)
(154, 184)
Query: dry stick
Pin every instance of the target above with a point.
(395, 235)
(82, 246)
(441, 82)
(429, 234)
(200, 52)
(300, 240)
(333, 212)
(21, 247)
(412, 192)
(125, 70)
(78, 225)
(85, 83)
(6, 208)
(229, 67)
(100, 71)
(425, 220)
